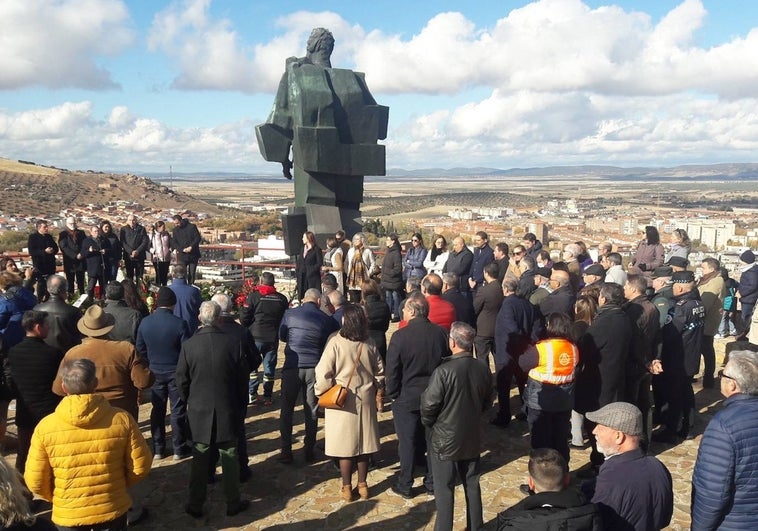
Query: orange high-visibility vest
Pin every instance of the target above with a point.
(557, 361)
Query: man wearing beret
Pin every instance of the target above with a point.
(681, 338)
(632, 490)
(159, 340)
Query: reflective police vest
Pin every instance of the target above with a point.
(557, 361)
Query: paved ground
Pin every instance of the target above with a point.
(304, 496)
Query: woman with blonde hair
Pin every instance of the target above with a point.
(680, 245)
(351, 433)
(361, 264)
(15, 514)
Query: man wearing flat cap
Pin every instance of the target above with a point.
(632, 490)
(593, 274)
(678, 263)
(159, 339)
(681, 339)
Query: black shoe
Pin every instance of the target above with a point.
(500, 422)
(664, 436)
(135, 516)
(400, 492)
(237, 508)
(310, 456)
(429, 491)
(194, 513)
(709, 384)
(245, 474)
(521, 416)
(395, 320)
(524, 488)
(285, 457)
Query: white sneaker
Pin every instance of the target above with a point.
(719, 336)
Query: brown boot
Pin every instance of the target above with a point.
(347, 493)
(380, 400)
(363, 491)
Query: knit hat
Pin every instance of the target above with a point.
(678, 261)
(166, 297)
(595, 269)
(95, 322)
(663, 271)
(621, 416)
(748, 257)
(683, 277)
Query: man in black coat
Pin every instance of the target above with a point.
(42, 249)
(185, 240)
(518, 325)
(464, 307)
(229, 325)
(62, 317)
(70, 242)
(33, 365)
(127, 319)
(459, 391)
(134, 242)
(459, 262)
(562, 298)
(610, 338)
(212, 378)
(94, 249)
(262, 313)
(412, 355)
(487, 302)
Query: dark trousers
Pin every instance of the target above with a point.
(161, 272)
(747, 315)
(709, 360)
(117, 524)
(201, 459)
(134, 268)
(483, 346)
(42, 294)
(411, 447)
(165, 391)
(191, 271)
(503, 377)
(24, 442)
(111, 272)
(294, 383)
(679, 396)
(92, 280)
(445, 475)
(75, 279)
(642, 400)
(550, 429)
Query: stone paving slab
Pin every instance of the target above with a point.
(302, 496)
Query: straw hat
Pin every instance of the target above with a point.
(95, 322)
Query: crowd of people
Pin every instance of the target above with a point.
(601, 355)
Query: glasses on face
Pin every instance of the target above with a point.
(722, 374)
(414, 239)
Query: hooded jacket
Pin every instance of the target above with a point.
(84, 457)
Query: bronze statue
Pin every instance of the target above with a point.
(332, 123)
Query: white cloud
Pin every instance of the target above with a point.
(58, 43)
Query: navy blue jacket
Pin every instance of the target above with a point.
(518, 326)
(749, 285)
(188, 300)
(482, 257)
(159, 339)
(725, 481)
(633, 492)
(13, 303)
(305, 329)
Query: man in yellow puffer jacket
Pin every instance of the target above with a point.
(85, 455)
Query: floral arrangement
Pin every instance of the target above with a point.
(248, 286)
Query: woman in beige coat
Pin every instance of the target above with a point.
(351, 433)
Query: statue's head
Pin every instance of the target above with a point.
(320, 46)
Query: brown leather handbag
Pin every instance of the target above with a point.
(336, 396)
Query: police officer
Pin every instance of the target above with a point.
(680, 356)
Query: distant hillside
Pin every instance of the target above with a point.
(689, 172)
(30, 189)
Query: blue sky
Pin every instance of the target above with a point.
(141, 86)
